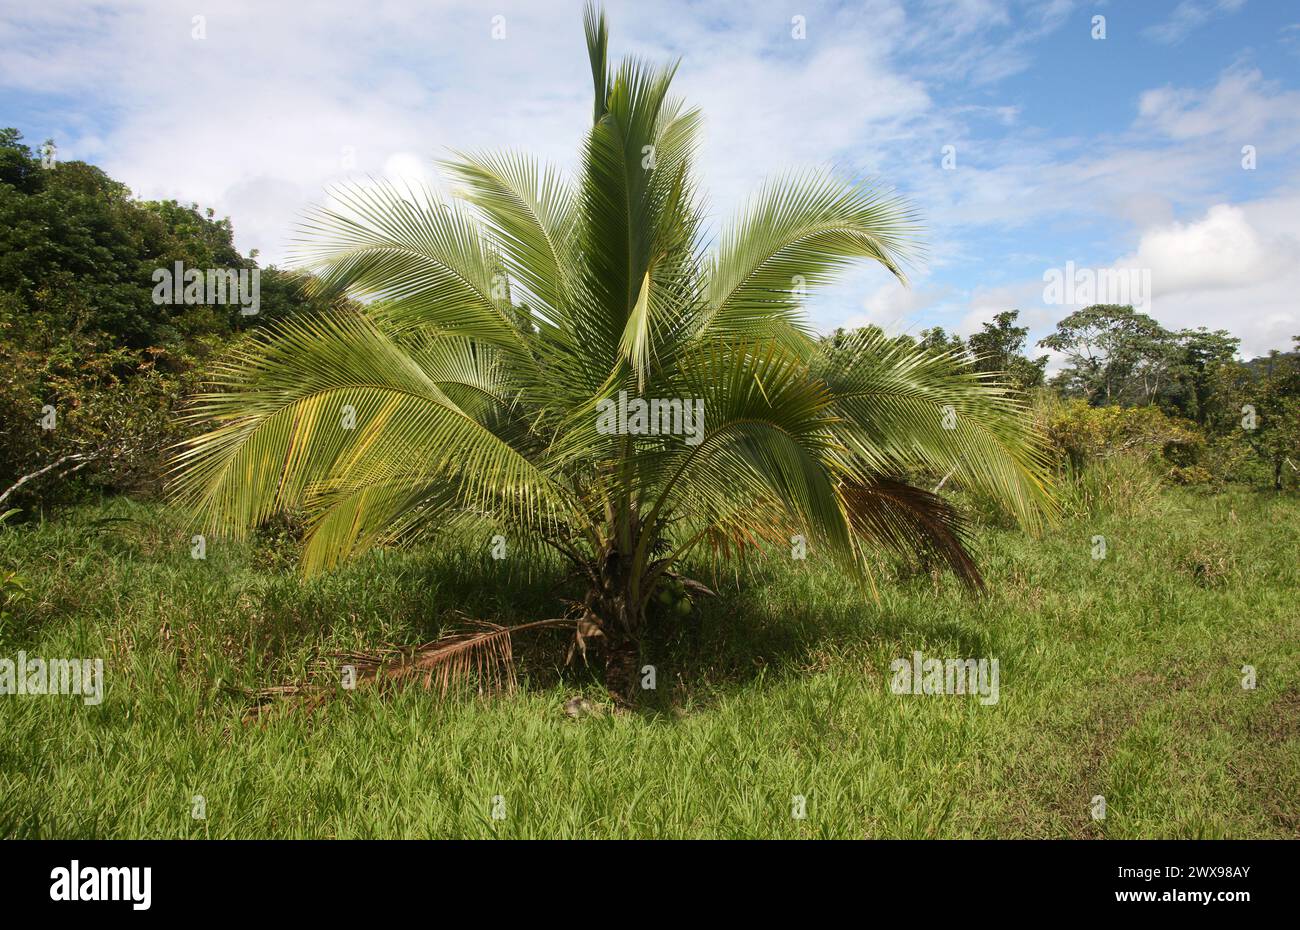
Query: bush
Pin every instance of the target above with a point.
(1081, 435)
(1114, 459)
(114, 409)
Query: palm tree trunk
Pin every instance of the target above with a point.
(619, 616)
(622, 658)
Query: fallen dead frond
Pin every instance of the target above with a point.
(482, 653)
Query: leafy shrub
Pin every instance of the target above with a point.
(114, 411)
(80, 330)
(1081, 435)
(1113, 459)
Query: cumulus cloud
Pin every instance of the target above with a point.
(1236, 267)
(1219, 251)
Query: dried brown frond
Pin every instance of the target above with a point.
(911, 521)
(484, 653)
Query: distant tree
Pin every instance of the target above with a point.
(1258, 404)
(841, 342)
(1115, 355)
(940, 342)
(1198, 356)
(18, 168)
(999, 347)
(79, 252)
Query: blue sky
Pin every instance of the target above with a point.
(1122, 152)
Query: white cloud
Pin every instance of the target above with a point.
(1241, 105)
(1236, 267)
(1218, 252)
(1026, 296)
(895, 308)
(1189, 16)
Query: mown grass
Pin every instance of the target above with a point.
(1119, 677)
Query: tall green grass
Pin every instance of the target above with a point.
(1119, 677)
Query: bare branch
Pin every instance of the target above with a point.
(78, 457)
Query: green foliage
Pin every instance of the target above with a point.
(1081, 434)
(78, 252)
(1126, 486)
(13, 587)
(998, 348)
(1237, 421)
(1200, 357)
(1115, 354)
(113, 409)
(80, 331)
(1257, 407)
(936, 341)
(1113, 459)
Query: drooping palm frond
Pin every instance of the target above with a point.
(910, 520)
(322, 399)
(483, 652)
(767, 436)
(902, 407)
(796, 234)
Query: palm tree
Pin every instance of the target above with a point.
(493, 379)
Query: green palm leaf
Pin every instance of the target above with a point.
(502, 337)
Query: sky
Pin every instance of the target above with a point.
(1157, 137)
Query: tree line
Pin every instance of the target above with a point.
(1221, 418)
(93, 367)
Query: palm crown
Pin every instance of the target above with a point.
(493, 377)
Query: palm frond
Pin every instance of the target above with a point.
(593, 21)
(328, 398)
(426, 263)
(902, 407)
(531, 210)
(796, 234)
(911, 521)
(484, 652)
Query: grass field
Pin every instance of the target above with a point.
(1119, 677)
